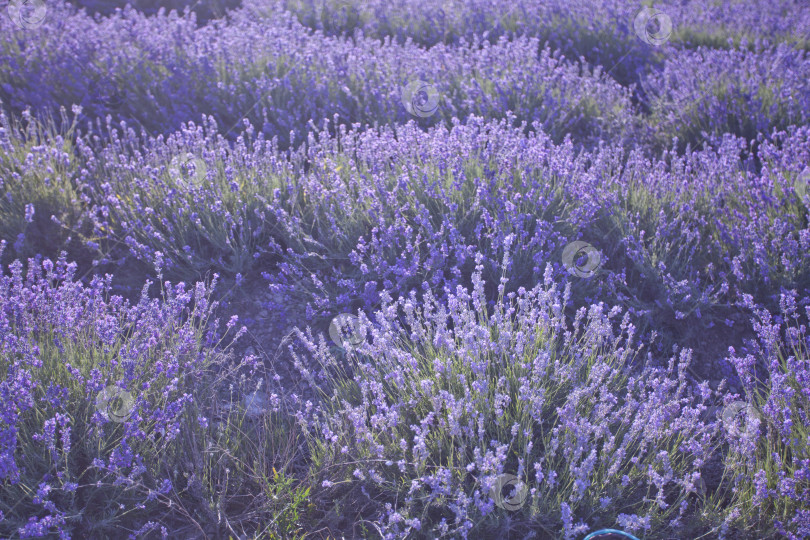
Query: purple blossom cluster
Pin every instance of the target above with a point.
(569, 242)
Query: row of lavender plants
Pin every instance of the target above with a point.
(279, 147)
(577, 25)
(157, 72)
(261, 64)
(604, 32)
(353, 214)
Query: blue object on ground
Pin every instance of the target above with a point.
(610, 534)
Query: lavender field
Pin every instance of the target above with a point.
(327, 269)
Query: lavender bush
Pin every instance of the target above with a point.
(442, 400)
(768, 464)
(107, 420)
